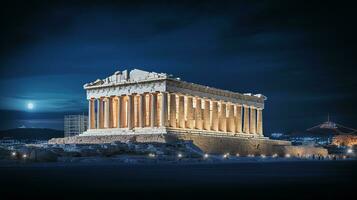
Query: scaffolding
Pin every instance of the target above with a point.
(75, 124)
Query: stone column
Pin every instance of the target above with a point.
(135, 111)
(142, 111)
(119, 112)
(223, 118)
(253, 124)
(153, 117)
(181, 114)
(206, 116)
(260, 121)
(239, 119)
(148, 110)
(189, 112)
(115, 111)
(101, 113)
(246, 119)
(124, 111)
(130, 112)
(173, 110)
(231, 125)
(98, 113)
(215, 115)
(111, 111)
(198, 114)
(163, 111)
(91, 114)
(106, 112)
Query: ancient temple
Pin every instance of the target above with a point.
(141, 102)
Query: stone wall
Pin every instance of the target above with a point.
(109, 139)
(207, 143)
(250, 146)
(234, 145)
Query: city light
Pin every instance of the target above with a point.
(262, 155)
(179, 155)
(275, 155)
(24, 156)
(287, 155)
(350, 151)
(13, 153)
(237, 155)
(151, 155)
(205, 156)
(226, 155)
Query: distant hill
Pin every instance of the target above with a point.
(314, 133)
(31, 134)
(331, 128)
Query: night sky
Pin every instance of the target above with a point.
(301, 55)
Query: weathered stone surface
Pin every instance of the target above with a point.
(120, 121)
(161, 82)
(233, 145)
(112, 138)
(206, 143)
(250, 146)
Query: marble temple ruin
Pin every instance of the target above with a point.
(141, 102)
(149, 107)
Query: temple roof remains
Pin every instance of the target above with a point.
(137, 76)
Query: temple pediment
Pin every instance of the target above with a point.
(135, 75)
(140, 81)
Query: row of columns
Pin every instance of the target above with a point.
(173, 110)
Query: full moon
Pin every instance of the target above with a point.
(30, 106)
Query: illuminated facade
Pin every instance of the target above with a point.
(140, 102)
(345, 140)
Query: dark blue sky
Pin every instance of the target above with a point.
(300, 55)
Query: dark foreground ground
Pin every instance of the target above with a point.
(255, 180)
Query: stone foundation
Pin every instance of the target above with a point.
(125, 131)
(211, 144)
(250, 146)
(157, 138)
(235, 145)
